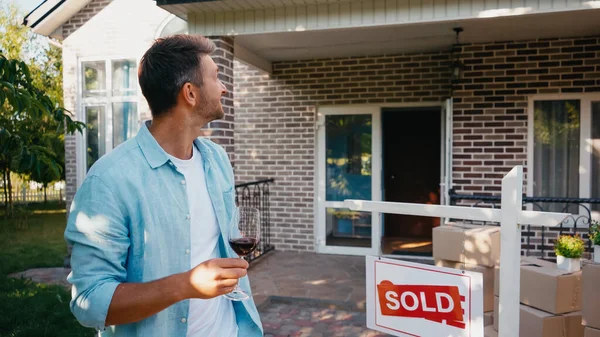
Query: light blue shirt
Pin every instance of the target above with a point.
(129, 222)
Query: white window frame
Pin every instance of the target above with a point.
(106, 101)
(585, 146)
(322, 204)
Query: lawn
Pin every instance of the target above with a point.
(27, 308)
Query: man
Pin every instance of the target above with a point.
(149, 224)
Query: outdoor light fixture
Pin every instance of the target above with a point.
(456, 67)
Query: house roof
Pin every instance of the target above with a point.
(49, 15)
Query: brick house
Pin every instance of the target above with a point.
(339, 99)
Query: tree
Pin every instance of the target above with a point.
(32, 126)
(29, 123)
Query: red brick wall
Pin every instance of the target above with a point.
(88, 12)
(490, 105)
(490, 109)
(275, 115)
(275, 122)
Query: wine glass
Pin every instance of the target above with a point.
(244, 235)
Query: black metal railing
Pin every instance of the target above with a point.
(577, 223)
(256, 194)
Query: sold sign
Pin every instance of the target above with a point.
(440, 304)
(418, 300)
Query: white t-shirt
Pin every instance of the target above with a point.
(212, 317)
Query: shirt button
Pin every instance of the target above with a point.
(183, 182)
(183, 320)
(187, 252)
(187, 216)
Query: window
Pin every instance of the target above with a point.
(109, 98)
(565, 149)
(173, 26)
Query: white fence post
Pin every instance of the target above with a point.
(510, 253)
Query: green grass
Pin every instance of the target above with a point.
(27, 308)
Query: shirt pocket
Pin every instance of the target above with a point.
(229, 201)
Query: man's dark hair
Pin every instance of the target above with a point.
(168, 65)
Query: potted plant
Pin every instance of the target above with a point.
(569, 250)
(595, 238)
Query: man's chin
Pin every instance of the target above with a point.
(220, 114)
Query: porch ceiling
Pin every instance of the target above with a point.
(417, 38)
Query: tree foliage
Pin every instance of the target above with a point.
(32, 123)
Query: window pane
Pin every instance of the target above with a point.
(124, 78)
(596, 153)
(94, 79)
(348, 228)
(556, 151)
(348, 157)
(96, 133)
(125, 121)
(175, 26)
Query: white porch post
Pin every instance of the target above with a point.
(510, 253)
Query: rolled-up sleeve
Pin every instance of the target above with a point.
(98, 232)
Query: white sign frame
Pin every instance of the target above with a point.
(411, 275)
(511, 216)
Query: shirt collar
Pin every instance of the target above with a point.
(154, 153)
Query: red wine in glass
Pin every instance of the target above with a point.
(243, 246)
(244, 235)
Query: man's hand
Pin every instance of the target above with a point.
(133, 302)
(215, 277)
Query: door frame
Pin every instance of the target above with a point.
(320, 205)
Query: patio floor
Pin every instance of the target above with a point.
(297, 294)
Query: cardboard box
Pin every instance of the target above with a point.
(545, 287)
(471, 244)
(591, 295)
(591, 332)
(489, 332)
(537, 323)
(488, 279)
(524, 260)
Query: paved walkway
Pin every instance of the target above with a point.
(298, 294)
(309, 275)
(304, 318)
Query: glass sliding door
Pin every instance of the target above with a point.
(349, 168)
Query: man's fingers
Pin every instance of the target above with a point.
(227, 290)
(228, 283)
(232, 263)
(232, 273)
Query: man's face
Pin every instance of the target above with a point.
(211, 92)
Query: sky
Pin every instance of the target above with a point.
(27, 5)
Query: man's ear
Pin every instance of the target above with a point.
(187, 94)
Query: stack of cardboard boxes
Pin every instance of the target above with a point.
(473, 248)
(550, 300)
(591, 299)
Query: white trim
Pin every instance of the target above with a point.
(446, 154)
(244, 55)
(299, 16)
(585, 150)
(56, 18)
